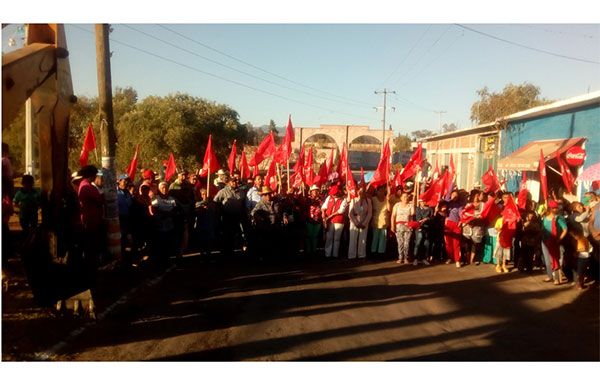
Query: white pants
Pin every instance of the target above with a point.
(332, 242)
(358, 238)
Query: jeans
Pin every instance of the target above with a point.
(422, 245)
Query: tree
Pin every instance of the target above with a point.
(449, 127)
(513, 98)
(177, 123)
(402, 143)
(420, 134)
(273, 127)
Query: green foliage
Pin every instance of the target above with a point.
(512, 99)
(420, 134)
(14, 136)
(177, 123)
(402, 143)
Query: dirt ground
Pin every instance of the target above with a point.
(225, 310)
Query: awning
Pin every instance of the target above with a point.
(527, 158)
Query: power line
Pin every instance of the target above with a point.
(226, 79)
(259, 68)
(540, 28)
(232, 68)
(407, 55)
(424, 53)
(423, 68)
(528, 47)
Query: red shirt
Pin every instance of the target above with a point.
(91, 203)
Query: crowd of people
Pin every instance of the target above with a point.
(162, 221)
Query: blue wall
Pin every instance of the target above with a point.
(579, 122)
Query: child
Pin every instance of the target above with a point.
(583, 253)
(28, 201)
(504, 245)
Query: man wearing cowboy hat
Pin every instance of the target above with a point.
(334, 211)
(221, 180)
(263, 218)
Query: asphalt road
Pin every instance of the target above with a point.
(343, 310)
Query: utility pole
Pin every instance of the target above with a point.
(385, 93)
(108, 142)
(440, 112)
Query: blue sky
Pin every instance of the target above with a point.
(334, 69)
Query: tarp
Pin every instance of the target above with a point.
(527, 157)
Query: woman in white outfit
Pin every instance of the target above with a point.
(360, 212)
(334, 210)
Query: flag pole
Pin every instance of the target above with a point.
(288, 174)
(279, 177)
(208, 181)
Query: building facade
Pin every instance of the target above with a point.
(512, 145)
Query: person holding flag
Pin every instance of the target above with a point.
(506, 227)
(554, 230)
(380, 220)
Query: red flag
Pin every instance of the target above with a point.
(171, 167)
(271, 177)
(321, 176)
(363, 184)
(296, 180)
(343, 164)
(265, 149)
(309, 172)
(210, 159)
(244, 169)
(510, 213)
(413, 164)
(89, 143)
(434, 193)
(522, 198)
(232, 155)
(382, 173)
(299, 166)
(490, 211)
(490, 181)
(285, 148)
(566, 175)
(543, 181)
(397, 180)
(350, 183)
(132, 169)
(451, 167)
(329, 163)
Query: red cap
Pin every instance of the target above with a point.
(333, 190)
(148, 174)
(552, 205)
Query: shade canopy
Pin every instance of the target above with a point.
(527, 157)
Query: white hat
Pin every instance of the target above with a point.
(221, 172)
(314, 187)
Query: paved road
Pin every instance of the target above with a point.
(345, 310)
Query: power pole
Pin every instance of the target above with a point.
(440, 112)
(29, 117)
(385, 93)
(108, 142)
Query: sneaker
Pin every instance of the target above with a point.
(448, 261)
(458, 264)
(498, 269)
(425, 262)
(504, 269)
(398, 261)
(415, 262)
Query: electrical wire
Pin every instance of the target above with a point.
(226, 79)
(406, 56)
(233, 68)
(528, 47)
(423, 55)
(260, 68)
